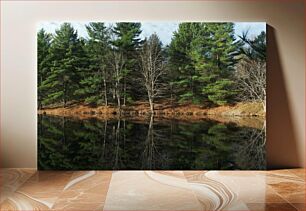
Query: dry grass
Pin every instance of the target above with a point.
(139, 111)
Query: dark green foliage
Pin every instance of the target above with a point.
(181, 64)
(203, 56)
(43, 65)
(94, 83)
(128, 42)
(221, 92)
(67, 64)
(127, 34)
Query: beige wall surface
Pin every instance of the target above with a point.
(286, 63)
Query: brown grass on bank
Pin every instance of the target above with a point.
(139, 111)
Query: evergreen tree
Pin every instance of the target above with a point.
(182, 68)
(127, 42)
(43, 66)
(66, 53)
(256, 48)
(220, 56)
(204, 56)
(94, 85)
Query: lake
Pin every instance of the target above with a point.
(150, 144)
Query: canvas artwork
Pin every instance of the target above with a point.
(151, 95)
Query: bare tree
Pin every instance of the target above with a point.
(104, 75)
(117, 61)
(251, 76)
(152, 68)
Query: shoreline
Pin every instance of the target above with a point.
(243, 114)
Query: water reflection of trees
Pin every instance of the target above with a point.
(252, 153)
(66, 143)
(153, 157)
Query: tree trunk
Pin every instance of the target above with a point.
(151, 103)
(114, 93)
(118, 101)
(105, 93)
(124, 92)
(264, 105)
(117, 93)
(171, 95)
(151, 106)
(65, 100)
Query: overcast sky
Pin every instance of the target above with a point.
(163, 29)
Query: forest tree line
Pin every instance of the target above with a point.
(203, 64)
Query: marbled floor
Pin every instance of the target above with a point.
(28, 189)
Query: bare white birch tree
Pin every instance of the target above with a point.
(117, 63)
(251, 76)
(152, 68)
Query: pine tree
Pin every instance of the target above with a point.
(203, 55)
(94, 85)
(256, 48)
(127, 42)
(66, 53)
(220, 55)
(43, 46)
(182, 68)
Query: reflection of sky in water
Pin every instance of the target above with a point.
(163, 29)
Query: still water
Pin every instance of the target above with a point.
(71, 144)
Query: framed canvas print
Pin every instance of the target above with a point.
(151, 95)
